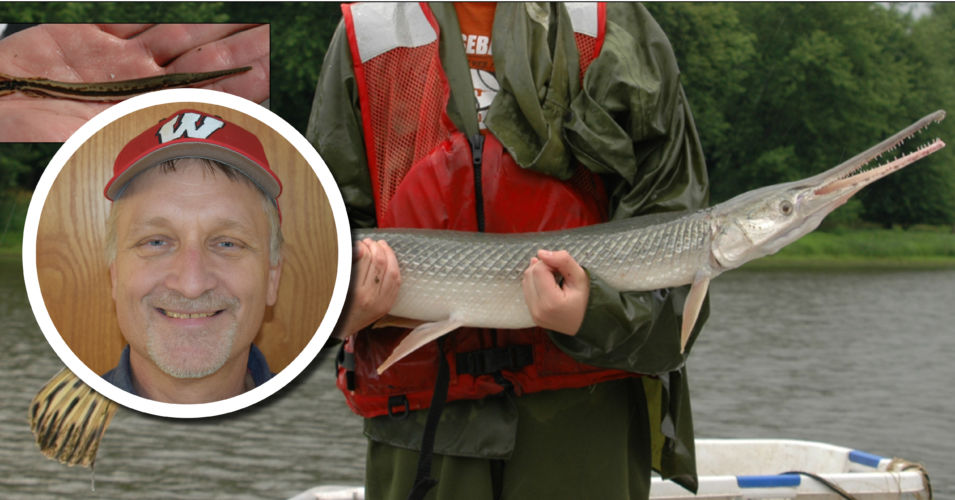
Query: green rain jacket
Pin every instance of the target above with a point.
(629, 122)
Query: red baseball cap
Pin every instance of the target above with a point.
(194, 134)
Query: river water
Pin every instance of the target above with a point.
(859, 359)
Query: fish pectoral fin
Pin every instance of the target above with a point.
(418, 337)
(68, 419)
(389, 320)
(691, 308)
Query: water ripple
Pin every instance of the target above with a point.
(861, 360)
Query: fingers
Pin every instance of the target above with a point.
(106, 52)
(379, 265)
(556, 290)
(376, 278)
(248, 46)
(563, 264)
(122, 30)
(166, 42)
(65, 52)
(541, 281)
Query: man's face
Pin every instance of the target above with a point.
(191, 278)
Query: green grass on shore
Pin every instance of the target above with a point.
(13, 212)
(920, 247)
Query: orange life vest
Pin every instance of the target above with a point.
(427, 174)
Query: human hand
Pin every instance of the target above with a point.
(374, 286)
(554, 305)
(114, 52)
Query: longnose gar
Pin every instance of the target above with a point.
(107, 91)
(452, 279)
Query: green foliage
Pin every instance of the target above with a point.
(300, 33)
(784, 90)
(778, 90)
(113, 12)
(713, 51)
(13, 213)
(21, 164)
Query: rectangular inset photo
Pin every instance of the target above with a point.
(55, 77)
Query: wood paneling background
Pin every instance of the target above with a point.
(71, 262)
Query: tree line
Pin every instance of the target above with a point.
(783, 90)
(779, 91)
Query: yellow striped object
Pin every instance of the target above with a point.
(68, 419)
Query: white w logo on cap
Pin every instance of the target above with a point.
(189, 126)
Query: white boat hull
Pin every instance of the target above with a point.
(739, 469)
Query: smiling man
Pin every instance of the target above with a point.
(194, 245)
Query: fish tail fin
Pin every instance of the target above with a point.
(68, 419)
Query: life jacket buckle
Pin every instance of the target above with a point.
(493, 360)
(397, 402)
(346, 361)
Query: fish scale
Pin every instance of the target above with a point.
(477, 276)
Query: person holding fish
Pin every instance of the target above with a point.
(509, 118)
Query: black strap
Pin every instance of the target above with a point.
(495, 359)
(346, 360)
(423, 481)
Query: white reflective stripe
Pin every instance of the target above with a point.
(583, 16)
(380, 27)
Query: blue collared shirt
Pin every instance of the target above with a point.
(122, 375)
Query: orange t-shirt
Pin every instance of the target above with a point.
(476, 20)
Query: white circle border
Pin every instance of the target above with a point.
(98, 383)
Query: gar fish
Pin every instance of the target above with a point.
(452, 279)
(107, 91)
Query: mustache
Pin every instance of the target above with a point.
(171, 300)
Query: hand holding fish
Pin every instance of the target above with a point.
(85, 55)
(556, 305)
(374, 286)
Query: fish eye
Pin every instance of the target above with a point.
(786, 207)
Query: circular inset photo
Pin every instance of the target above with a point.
(186, 253)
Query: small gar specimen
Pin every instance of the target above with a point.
(107, 91)
(452, 279)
